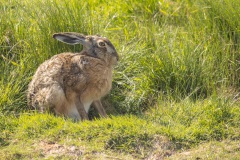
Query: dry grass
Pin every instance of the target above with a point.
(227, 149)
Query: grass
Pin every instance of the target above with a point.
(118, 133)
(212, 150)
(175, 90)
(163, 131)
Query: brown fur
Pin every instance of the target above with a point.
(68, 83)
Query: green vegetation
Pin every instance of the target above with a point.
(175, 92)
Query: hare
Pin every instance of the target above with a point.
(68, 83)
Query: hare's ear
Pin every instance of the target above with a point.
(70, 38)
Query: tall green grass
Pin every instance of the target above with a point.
(169, 49)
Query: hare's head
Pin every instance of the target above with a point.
(95, 46)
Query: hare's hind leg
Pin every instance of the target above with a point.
(98, 105)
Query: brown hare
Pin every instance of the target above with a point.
(68, 83)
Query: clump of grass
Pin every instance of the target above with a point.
(181, 60)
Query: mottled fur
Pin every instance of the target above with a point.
(68, 83)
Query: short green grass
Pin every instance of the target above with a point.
(163, 131)
(175, 90)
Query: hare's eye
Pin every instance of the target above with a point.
(102, 44)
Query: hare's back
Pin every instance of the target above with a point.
(50, 72)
